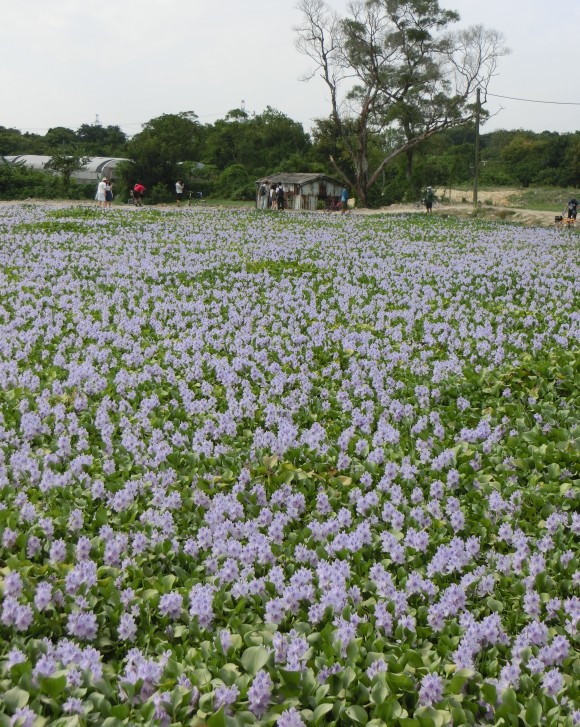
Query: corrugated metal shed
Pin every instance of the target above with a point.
(303, 191)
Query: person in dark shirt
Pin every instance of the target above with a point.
(280, 197)
(572, 207)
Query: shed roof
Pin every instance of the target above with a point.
(297, 178)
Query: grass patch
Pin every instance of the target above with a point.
(552, 199)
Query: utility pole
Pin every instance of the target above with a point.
(476, 164)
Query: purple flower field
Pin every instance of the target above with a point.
(287, 470)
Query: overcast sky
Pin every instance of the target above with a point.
(63, 62)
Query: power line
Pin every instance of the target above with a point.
(533, 100)
(28, 129)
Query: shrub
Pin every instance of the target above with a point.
(235, 183)
(494, 175)
(19, 182)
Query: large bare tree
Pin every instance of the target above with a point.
(394, 65)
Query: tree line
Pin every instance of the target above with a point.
(225, 158)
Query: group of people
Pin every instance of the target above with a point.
(104, 194)
(271, 196)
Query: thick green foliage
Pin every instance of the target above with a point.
(18, 182)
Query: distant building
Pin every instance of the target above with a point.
(91, 173)
(304, 191)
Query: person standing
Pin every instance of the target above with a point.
(344, 201)
(263, 196)
(572, 208)
(179, 189)
(101, 195)
(108, 193)
(280, 196)
(272, 197)
(429, 199)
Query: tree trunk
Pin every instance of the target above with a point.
(409, 167)
(361, 164)
(361, 196)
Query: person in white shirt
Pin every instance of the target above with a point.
(101, 196)
(179, 187)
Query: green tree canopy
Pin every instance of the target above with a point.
(525, 157)
(179, 135)
(260, 142)
(100, 140)
(60, 136)
(13, 142)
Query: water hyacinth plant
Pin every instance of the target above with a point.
(298, 471)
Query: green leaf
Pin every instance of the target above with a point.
(458, 680)
(15, 698)
(459, 716)
(509, 703)
(286, 477)
(120, 711)
(379, 692)
(352, 650)
(430, 717)
(399, 682)
(533, 713)
(321, 710)
(65, 722)
(489, 693)
(390, 710)
(357, 714)
(254, 658)
(554, 471)
(54, 685)
(494, 605)
(102, 516)
(218, 719)
(290, 678)
(168, 581)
